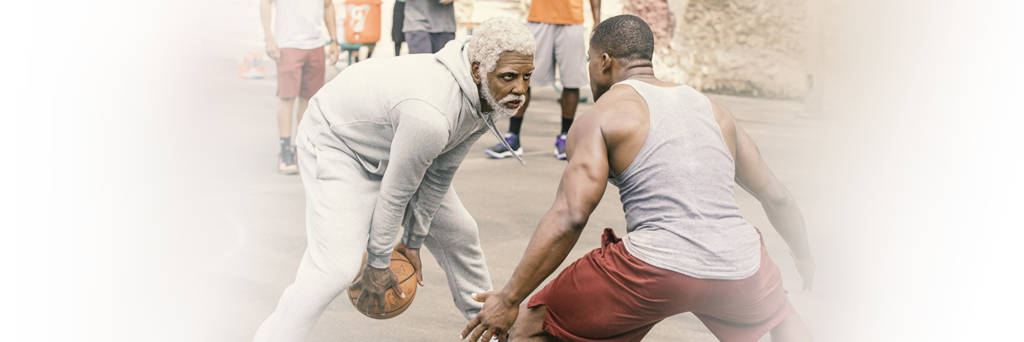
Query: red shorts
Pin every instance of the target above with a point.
(300, 72)
(609, 295)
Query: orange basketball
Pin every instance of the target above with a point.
(393, 305)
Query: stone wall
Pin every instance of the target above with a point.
(752, 47)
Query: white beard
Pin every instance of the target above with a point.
(499, 111)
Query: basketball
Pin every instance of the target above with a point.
(393, 305)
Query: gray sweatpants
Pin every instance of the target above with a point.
(340, 197)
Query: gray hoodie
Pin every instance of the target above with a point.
(410, 120)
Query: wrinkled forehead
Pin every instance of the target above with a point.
(514, 59)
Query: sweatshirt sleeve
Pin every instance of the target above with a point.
(432, 191)
(421, 133)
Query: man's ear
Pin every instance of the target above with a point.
(475, 72)
(606, 62)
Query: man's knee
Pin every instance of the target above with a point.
(468, 231)
(456, 227)
(530, 325)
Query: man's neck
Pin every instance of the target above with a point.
(640, 70)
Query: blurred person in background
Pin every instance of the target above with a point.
(397, 21)
(429, 24)
(296, 44)
(486, 9)
(557, 26)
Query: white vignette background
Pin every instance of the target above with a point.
(923, 156)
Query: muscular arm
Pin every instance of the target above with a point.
(753, 174)
(582, 186)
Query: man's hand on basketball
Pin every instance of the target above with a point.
(375, 284)
(413, 254)
(496, 318)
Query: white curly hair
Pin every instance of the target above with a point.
(497, 35)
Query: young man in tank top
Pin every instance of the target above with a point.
(675, 156)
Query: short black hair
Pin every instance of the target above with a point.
(624, 36)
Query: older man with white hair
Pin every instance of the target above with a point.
(378, 148)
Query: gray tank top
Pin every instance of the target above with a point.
(681, 212)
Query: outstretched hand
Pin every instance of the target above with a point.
(495, 319)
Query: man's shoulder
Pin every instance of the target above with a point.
(619, 113)
(620, 99)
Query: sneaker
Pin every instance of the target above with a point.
(286, 162)
(560, 147)
(500, 152)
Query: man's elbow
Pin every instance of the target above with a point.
(776, 198)
(577, 219)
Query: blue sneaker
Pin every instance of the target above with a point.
(286, 161)
(560, 147)
(500, 152)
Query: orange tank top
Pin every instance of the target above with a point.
(563, 12)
